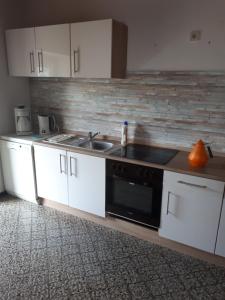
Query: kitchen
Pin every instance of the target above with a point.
(170, 102)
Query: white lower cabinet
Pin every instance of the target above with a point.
(220, 245)
(18, 170)
(51, 173)
(86, 183)
(74, 179)
(191, 209)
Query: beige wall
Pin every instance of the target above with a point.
(158, 29)
(13, 91)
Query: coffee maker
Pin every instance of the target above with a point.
(23, 120)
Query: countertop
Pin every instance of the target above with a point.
(215, 169)
(24, 139)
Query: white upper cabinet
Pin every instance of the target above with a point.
(91, 49)
(98, 49)
(53, 50)
(191, 209)
(21, 52)
(220, 245)
(41, 51)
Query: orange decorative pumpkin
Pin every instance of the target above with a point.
(198, 157)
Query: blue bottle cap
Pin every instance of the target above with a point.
(125, 123)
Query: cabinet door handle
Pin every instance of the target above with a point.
(40, 62)
(32, 54)
(71, 166)
(168, 203)
(76, 60)
(65, 164)
(192, 184)
(32, 62)
(60, 163)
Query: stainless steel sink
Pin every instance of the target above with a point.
(81, 142)
(97, 145)
(74, 141)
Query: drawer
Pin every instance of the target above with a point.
(194, 183)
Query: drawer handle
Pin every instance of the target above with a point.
(192, 184)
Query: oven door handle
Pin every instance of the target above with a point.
(130, 181)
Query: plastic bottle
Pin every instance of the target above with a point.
(124, 134)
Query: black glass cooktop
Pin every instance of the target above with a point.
(149, 154)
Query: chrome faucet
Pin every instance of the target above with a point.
(91, 136)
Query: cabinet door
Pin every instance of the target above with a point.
(51, 173)
(191, 210)
(18, 170)
(2, 188)
(91, 49)
(220, 245)
(21, 52)
(86, 182)
(53, 50)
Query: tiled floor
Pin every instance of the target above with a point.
(46, 254)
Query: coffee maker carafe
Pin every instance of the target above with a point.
(23, 120)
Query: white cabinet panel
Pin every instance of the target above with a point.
(51, 173)
(53, 50)
(95, 49)
(18, 170)
(21, 52)
(2, 188)
(220, 246)
(191, 210)
(86, 182)
(91, 49)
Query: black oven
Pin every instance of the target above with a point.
(134, 192)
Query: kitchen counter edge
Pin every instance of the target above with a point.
(215, 168)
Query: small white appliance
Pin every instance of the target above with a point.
(23, 120)
(44, 122)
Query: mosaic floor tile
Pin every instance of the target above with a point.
(46, 254)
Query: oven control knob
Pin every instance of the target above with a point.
(118, 168)
(147, 173)
(139, 172)
(121, 169)
(113, 166)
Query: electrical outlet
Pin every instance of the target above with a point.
(195, 35)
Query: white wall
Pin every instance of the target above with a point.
(13, 91)
(158, 29)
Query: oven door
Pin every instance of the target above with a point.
(135, 201)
